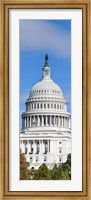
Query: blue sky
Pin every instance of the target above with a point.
(38, 37)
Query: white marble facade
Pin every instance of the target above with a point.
(46, 134)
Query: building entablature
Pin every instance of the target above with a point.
(44, 137)
(46, 112)
(46, 98)
(46, 130)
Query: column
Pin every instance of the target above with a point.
(30, 121)
(66, 122)
(42, 121)
(31, 146)
(25, 121)
(38, 120)
(62, 121)
(39, 105)
(43, 147)
(41, 152)
(46, 120)
(69, 122)
(54, 120)
(34, 147)
(51, 146)
(58, 122)
(50, 120)
(55, 146)
(48, 145)
(40, 147)
(28, 146)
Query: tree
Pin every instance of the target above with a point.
(24, 172)
(69, 159)
(61, 172)
(65, 171)
(42, 173)
(55, 174)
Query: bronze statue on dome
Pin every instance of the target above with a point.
(46, 57)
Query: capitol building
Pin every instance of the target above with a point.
(45, 136)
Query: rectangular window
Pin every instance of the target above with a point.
(45, 159)
(60, 159)
(37, 159)
(46, 72)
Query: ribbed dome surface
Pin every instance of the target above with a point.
(47, 88)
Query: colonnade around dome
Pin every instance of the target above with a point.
(50, 105)
(45, 120)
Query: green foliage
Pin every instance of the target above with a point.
(69, 159)
(62, 172)
(42, 173)
(24, 172)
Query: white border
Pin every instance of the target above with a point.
(76, 79)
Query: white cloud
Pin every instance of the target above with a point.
(40, 35)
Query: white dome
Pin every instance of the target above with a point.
(47, 88)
